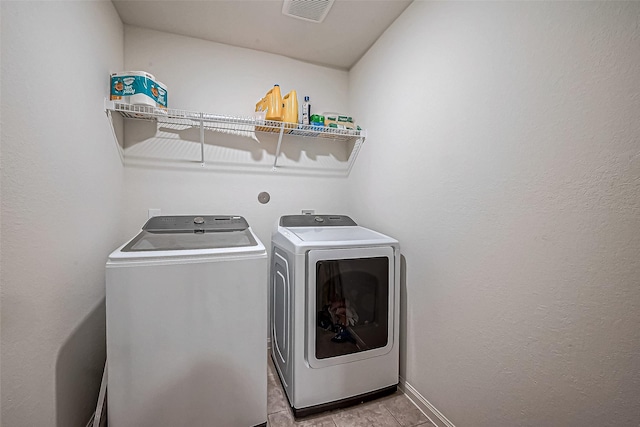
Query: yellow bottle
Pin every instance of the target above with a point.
(274, 104)
(290, 107)
(262, 105)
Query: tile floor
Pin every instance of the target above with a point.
(395, 410)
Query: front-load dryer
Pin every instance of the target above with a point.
(334, 311)
(186, 325)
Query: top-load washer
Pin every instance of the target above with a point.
(186, 310)
(334, 311)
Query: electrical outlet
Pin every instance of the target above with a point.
(154, 212)
(308, 211)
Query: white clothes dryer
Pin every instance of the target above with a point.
(335, 299)
(186, 309)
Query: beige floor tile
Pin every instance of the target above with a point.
(366, 415)
(286, 419)
(276, 399)
(395, 410)
(404, 411)
(271, 368)
(398, 392)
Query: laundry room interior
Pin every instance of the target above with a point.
(499, 144)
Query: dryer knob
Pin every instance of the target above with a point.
(198, 220)
(319, 219)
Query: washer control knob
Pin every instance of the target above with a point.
(198, 220)
(319, 219)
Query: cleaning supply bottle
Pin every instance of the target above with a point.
(306, 111)
(290, 107)
(271, 108)
(274, 104)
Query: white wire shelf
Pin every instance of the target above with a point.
(229, 124)
(239, 126)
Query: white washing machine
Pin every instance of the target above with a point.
(335, 299)
(186, 325)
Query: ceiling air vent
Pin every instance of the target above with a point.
(309, 10)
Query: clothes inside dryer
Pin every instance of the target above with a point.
(351, 305)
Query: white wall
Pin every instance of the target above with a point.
(220, 79)
(509, 130)
(61, 206)
(504, 154)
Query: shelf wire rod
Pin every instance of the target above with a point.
(354, 154)
(115, 138)
(202, 139)
(275, 161)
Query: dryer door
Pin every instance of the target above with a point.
(350, 311)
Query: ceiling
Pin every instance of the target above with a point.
(349, 29)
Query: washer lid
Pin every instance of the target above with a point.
(340, 235)
(170, 233)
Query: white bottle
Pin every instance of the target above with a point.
(306, 111)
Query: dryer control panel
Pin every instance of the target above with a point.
(316, 221)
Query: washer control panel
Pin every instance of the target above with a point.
(192, 223)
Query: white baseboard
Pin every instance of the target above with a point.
(436, 417)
